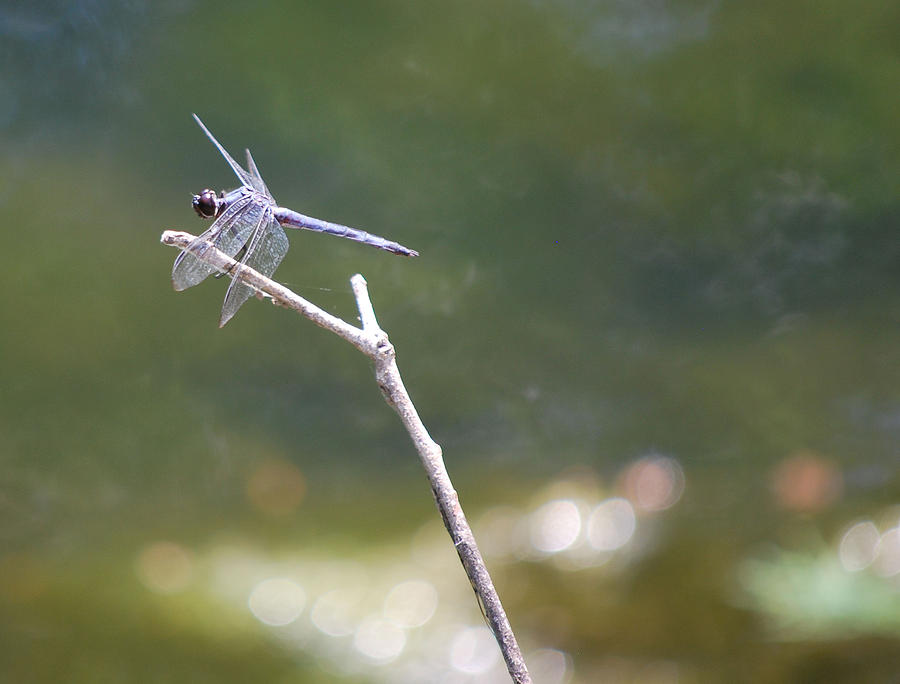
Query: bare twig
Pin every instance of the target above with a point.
(372, 341)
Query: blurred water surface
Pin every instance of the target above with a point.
(654, 326)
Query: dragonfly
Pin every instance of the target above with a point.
(248, 225)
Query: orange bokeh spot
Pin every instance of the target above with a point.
(805, 482)
(276, 487)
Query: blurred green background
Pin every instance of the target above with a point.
(654, 326)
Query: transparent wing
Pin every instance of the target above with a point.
(229, 233)
(255, 178)
(265, 251)
(243, 176)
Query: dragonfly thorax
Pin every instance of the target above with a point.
(206, 204)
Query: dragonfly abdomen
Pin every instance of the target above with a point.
(292, 219)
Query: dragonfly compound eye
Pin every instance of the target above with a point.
(206, 204)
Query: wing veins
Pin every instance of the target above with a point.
(242, 175)
(189, 270)
(238, 291)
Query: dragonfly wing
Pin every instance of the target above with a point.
(243, 176)
(265, 251)
(229, 233)
(255, 178)
(188, 269)
(271, 250)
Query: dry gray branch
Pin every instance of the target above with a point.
(372, 341)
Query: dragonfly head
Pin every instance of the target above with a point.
(206, 204)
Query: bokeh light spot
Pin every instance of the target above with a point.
(858, 546)
(654, 483)
(277, 601)
(611, 524)
(805, 482)
(473, 650)
(276, 487)
(411, 604)
(379, 639)
(496, 531)
(549, 666)
(165, 567)
(887, 554)
(555, 526)
(334, 612)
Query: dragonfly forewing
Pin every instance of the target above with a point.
(242, 175)
(229, 233)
